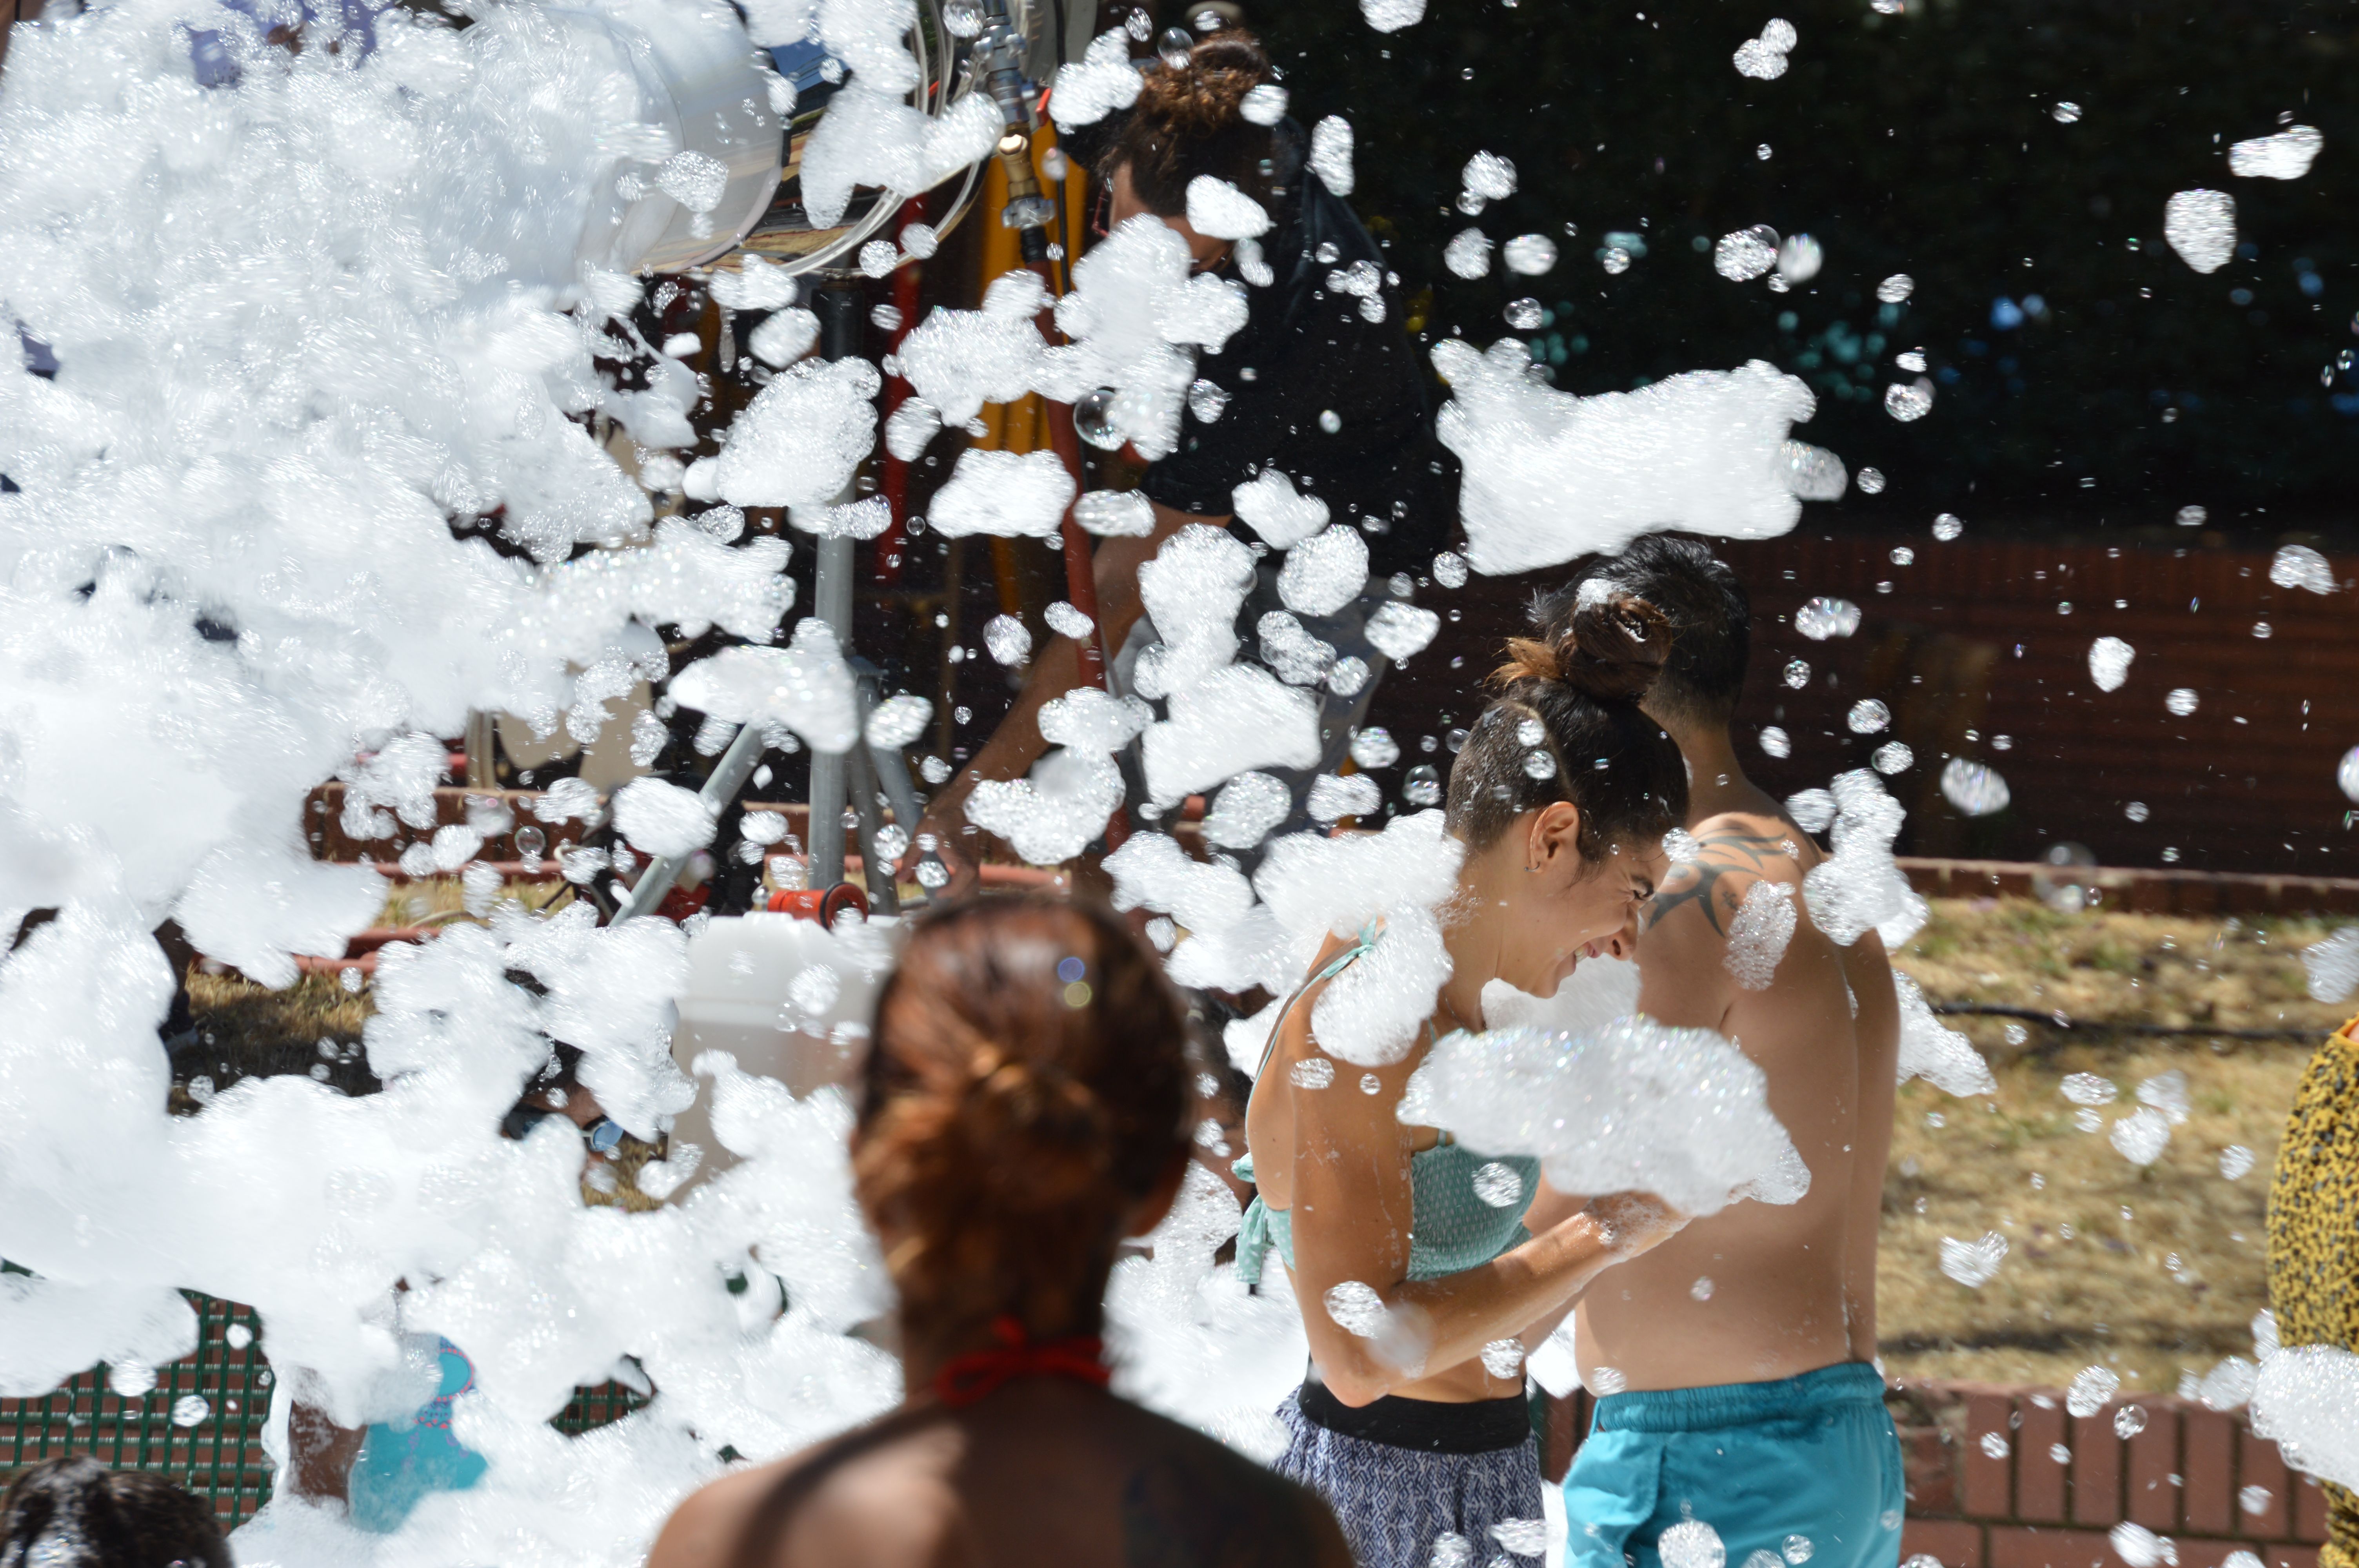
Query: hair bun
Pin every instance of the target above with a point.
(1039, 1135)
(1208, 92)
(1616, 644)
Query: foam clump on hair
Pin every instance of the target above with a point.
(1631, 1106)
(1550, 477)
(1860, 888)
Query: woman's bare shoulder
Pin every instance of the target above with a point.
(1208, 1504)
(870, 1473)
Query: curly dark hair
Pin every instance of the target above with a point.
(1188, 121)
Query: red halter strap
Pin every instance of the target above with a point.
(966, 1378)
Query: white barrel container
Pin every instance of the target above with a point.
(775, 992)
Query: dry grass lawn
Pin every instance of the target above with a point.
(2153, 1270)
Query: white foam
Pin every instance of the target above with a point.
(1550, 477)
(1630, 1105)
(1015, 495)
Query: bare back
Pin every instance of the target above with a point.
(1762, 1291)
(1043, 1471)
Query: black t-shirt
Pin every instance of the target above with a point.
(1308, 356)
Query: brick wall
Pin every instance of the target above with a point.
(1969, 637)
(2184, 1475)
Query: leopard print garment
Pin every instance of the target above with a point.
(2314, 1237)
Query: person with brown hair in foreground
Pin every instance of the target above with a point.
(1025, 1107)
(74, 1512)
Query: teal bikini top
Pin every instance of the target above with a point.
(1452, 1226)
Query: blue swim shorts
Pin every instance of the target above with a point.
(1813, 1456)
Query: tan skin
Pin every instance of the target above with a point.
(1043, 1470)
(1528, 909)
(1016, 745)
(1793, 1286)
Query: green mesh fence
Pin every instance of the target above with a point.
(214, 1450)
(201, 1423)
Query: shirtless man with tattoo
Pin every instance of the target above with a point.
(1745, 1343)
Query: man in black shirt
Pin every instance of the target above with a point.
(1321, 386)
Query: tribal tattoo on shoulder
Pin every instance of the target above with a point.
(1718, 856)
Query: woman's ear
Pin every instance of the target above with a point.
(1555, 835)
(1149, 1212)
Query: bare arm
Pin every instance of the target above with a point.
(1877, 1027)
(1016, 745)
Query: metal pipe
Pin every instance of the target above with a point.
(838, 305)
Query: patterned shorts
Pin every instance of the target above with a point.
(1428, 1506)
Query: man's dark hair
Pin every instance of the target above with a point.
(75, 1512)
(1711, 621)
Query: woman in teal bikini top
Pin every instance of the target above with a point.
(1418, 1263)
(1453, 1224)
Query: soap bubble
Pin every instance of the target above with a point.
(1264, 104)
(1775, 742)
(1822, 618)
(1948, 526)
(1374, 748)
(2285, 156)
(2193, 516)
(1614, 259)
(1691, 1543)
(1206, 400)
(2128, 1422)
(1746, 253)
(1892, 758)
(1867, 716)
(2088, 1088)
(2091, 1390)
(1895, 289)
(1311, 1073)
(1498, 1184)
(1972, 1263)
(1094, 420)
(1871, 481)
(2109, 663)
(1489, 175)
(2201, 227)
(1800, 258)
(1468, 254)
(1702, 1290)
(1811, 474)
(1357, 1308)
(1503, 1359)
(1907, 403)
(2066, 112)
(1176, 47)
(1422, 785)
(1008, 638)
(1529, 255)
(1796, 673)
(1524, 314)
(1067, 621)
(962, 18)
(2298, 566)
(1974, 788)
(1450, 569)
(2182, 701)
